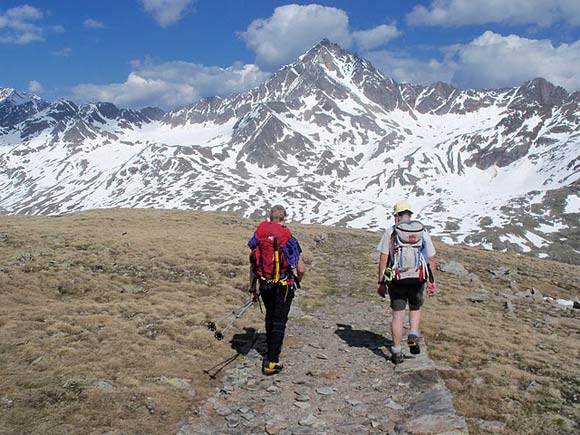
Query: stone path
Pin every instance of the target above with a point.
(337, 380)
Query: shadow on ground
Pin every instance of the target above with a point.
(250, 339)
(361, 338)
(242, 343)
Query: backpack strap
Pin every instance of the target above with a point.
(276, 261)
(392, 253)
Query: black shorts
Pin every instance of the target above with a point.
(401, 293)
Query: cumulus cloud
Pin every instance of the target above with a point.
(171, 84)
(467, 12)
(488, 61)
(20, 25)
(167, 12)
(293, 29)
(405, 68)
(89, 23)
(493, 60)
(35, 86)
(380, 35)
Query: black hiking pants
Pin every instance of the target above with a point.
(277, 301)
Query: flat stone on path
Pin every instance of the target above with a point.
(244, 410)
(274, 427)
(302, 397)
(435, 401)
(393, 405)
(436, 424)
(222, 410)
(325, 391)
(311, 420)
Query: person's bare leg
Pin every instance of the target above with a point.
(414, 320)
(397, 328)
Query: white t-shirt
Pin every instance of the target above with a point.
(385, 243)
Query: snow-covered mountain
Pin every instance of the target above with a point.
(328, 135)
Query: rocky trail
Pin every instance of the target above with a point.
(337, 379)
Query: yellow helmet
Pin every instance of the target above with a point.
(402, 205)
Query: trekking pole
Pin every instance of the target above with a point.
(212, 326)
(219, 335)
(431, 276)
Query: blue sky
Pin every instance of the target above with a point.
(172, 52)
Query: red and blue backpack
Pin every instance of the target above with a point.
(269, 263)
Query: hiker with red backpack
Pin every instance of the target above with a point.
(277, 266)
(406, 267)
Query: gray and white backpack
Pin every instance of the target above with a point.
(408, 257)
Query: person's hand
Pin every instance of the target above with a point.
(382, 290)
(255, 295)
(431, 288)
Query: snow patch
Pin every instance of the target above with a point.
(572, 204)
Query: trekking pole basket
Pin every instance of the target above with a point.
(236, 314)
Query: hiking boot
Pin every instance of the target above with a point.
(413, 343)
(272, 368)
(397, 357)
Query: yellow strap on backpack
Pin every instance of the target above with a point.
(277, 262)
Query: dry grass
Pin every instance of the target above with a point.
(122, 296)
(118, 296)
(521, 369)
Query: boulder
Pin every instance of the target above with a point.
(454, 268)
(474, 281)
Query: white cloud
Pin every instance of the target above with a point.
(493, 60)
(466, 12)
(293, 29)
(172, 84)
(35, 86)
(380, 35)
(89, 23)
(62, 52)
(489, 61)
(167, 12)
(19, 25)
(405, 68)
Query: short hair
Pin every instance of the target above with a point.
(277, 213)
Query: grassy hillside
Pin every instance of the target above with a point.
(103, 312)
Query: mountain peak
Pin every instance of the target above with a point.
(323, 49)
(545, 92)
(15, 97)
(327, 43)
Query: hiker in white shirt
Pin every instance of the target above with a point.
(404, 243)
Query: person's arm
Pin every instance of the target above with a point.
(293, 253)
(431, 286)
(300, 269)
(252, 243)
(252, 287)
(382, 266)
(383, 248)
(381, 289)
